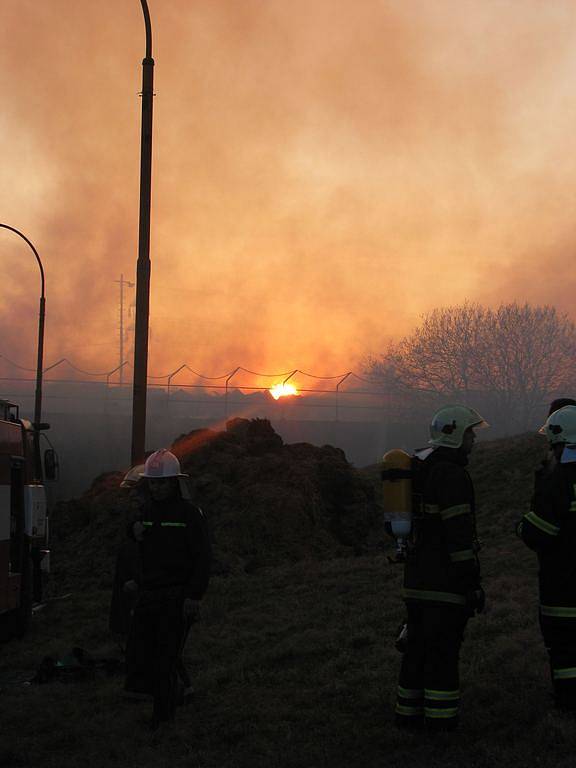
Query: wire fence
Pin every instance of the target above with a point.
(312, 390)
(342, 396)
(90, 412)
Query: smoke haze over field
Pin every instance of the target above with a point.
(324, 172)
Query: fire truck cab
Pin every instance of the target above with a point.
(23, 522)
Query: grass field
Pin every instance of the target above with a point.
(295, 666)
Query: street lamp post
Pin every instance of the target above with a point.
(139, 390)
(40, 360)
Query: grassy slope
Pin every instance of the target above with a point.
(294, 666)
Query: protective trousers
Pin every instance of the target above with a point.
(138, 672)
(429, 685)
(559, 634)
(159, 631)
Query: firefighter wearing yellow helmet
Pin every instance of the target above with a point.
(549, 528)
(441, 573)
(451, 423)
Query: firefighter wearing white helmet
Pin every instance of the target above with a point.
(560, 426)
(441, 573)
(162, 464)
(549, 528)
(175, 569)
(555, 448)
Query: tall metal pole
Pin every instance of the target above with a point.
(40, 358)
(143, 268)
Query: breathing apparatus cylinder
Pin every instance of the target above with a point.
(397, 497)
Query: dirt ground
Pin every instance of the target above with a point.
(294, 665)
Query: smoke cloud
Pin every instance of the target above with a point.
(323, 172)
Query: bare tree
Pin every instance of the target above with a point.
(441, 355)
(508, 360)
(529, 353)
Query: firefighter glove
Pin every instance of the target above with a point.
(476, 600)
(401, 642)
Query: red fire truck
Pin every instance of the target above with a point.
(23, 523)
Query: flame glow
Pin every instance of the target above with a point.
(283, 390)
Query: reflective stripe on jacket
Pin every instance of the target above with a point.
(549, 528)
(442, 565)
(175, 548)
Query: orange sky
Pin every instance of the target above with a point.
(324, 172)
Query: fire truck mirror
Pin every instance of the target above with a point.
(50, 464)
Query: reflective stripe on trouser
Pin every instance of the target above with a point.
(559, 634)
(430, 664)
(441, 705)
(410, 702)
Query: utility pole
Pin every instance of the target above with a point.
(128, 284)
(140, 381)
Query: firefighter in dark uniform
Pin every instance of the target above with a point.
(442, 575)
(549, 528)
(175, 569)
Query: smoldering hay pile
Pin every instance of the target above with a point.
(266, 503)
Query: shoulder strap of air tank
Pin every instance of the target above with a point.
(395, 474)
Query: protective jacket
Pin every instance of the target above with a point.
(175, 549)
(441, 575)
(175, 565)
(442, 565)
(550, 530)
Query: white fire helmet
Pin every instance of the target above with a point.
(449, 424)
(161, 464)
(560, 426)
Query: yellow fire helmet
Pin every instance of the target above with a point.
(560, 426)
(449, 424)
(132, 477)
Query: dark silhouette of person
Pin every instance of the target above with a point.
(175, 569)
